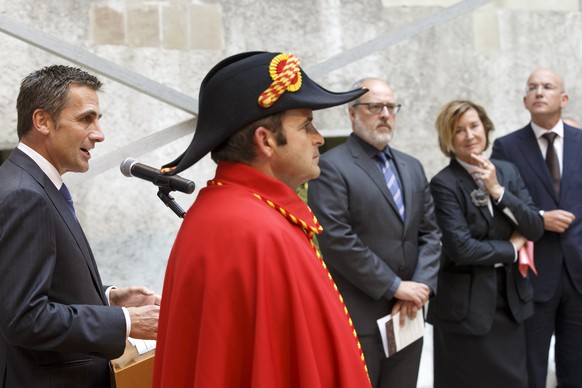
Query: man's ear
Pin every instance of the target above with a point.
(565, 99)
(352, 113)
(264, 141)
(41, 121)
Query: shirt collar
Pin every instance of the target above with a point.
(370, 150)
(43, 164)
(469, 167)
(539, 131)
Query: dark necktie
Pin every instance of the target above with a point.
(392, 183)
(552, 160)
(67, 195)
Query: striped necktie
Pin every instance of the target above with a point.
(392, 183)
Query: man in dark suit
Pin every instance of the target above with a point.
(59, 325)
(548, 154)
(382, 248)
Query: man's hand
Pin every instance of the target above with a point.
(144, 321)
(558, 220)
(133, 297)
(414, 292)
(406, 309)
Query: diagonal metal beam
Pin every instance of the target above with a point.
(174, 98)
(382, 42)
(179, 100)
(137, 148)
(97, 64)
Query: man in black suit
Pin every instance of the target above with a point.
(59, 325)
(548, 154)
(382, 249)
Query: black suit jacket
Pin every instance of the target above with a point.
(473, 241)
(56, 328)
(553, 250)
(365, 242)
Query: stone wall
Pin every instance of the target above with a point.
(485, 56)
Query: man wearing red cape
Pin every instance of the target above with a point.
(247, 300)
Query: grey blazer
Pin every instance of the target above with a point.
(365, 242)
(56, 330)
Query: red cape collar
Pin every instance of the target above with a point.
(267, 187)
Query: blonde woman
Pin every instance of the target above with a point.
(486, 216)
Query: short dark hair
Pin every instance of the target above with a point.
(240, 146)
(48, 89)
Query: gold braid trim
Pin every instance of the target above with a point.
(310, 231)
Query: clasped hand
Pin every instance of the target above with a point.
(143, 306)
(411, 297)
(558, 220)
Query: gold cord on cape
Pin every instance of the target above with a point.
(310, 231)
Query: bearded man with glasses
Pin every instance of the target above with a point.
(380, 239)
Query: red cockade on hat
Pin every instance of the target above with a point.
(286, 75)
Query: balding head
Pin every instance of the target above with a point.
(545, 96)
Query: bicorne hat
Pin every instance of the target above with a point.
(247, 87)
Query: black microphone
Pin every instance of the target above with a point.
(130, 167)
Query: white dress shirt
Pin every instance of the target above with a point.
(558, 141)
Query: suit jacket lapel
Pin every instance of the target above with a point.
(405, 183)
(372, 169)
(76, 230)
(467, 184)
(530, 150)
(572, 153)
(63, 209)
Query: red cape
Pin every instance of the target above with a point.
(246, 302)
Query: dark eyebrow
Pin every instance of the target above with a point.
(90, 113)
(307, 121)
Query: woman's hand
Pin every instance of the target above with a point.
(486, 172)
(517, 240)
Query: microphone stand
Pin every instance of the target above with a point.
(168, 200)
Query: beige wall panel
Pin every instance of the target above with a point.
(143, 27)
(205, 27)
(107, 25)
(556, 5)
(418, 3)
(175, 27)
(486, 32)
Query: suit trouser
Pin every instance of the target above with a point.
(399, 370)
(562, 316)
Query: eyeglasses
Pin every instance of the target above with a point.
(530, 88)
(377, 107)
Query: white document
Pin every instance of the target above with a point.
(395, 337)
(143, 346)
